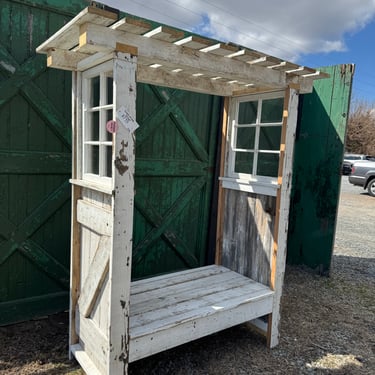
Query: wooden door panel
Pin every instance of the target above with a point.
(175, 152)
(35, 159)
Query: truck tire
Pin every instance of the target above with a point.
(371, 187)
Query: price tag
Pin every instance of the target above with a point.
(112, 126)
(126, 120)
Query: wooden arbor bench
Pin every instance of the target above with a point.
(115, 321)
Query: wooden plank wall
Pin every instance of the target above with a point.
(248, 234)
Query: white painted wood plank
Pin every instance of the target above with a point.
(266, 61)
(152, 343)
(94, 217)
(194, 42)
(220, 49)
(84, 253)
(124, 79)
(94, 281)
(234, 184)
(260, 325)
(99, 312)
(67, 36)
(245, 55)
(156, 51)
(199, 304)
(84, 360)
(202, 306)
(171, 296)
(132, 25)
(285, 191)
(186, 81)
(158, 282)
(165, 33)
(94, 342)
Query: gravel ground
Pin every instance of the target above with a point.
(327, 324)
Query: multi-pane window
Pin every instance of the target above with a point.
(255, 137)
(97, 95)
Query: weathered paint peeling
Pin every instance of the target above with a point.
(119, 165)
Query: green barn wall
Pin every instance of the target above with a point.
(35, 162)
(318, 154)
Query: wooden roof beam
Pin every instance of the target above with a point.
(67, 36)
(94, 38)
(183, 81)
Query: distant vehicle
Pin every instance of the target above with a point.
(363, 174)
(349, 159)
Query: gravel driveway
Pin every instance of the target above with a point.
(327, 324)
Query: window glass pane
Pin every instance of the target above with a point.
(269, 137)
(108, 161)
(272, 110)
(109, 90)
(244, 162)
(268, 164)
(95, 91)
(92, 133)
(245, 138)
(247, 112)
(108, 116)
(92, 153)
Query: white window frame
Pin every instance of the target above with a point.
(103, 71)
(250, 182)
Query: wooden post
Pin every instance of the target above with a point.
(221, 194)
(278, 256)
(124, 78)
(75, 228)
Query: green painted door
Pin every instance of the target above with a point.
(175, 163)
(318, 154)
(35, 154)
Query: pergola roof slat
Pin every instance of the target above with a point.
(132, 25)
(165, 33)
(95, 34)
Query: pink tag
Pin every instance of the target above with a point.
(112, 126)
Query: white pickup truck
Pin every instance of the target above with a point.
(363, 174)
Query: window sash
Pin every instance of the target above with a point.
(256, 151)
(97, 143)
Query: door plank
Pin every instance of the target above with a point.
(93, 217)
(175, 209)
(42, 259)
(98, 270)
(172, 238)
(36, 219)
(33, 162)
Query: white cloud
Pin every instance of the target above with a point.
(286, 29)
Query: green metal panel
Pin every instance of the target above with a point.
(319, 149)
(35, 153)
(175, 160)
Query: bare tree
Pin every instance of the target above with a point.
(360, 136)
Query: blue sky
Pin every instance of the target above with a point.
(361, 52)
(312, 33)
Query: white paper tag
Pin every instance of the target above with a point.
(126, 120)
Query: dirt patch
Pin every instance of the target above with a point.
(327, 324)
